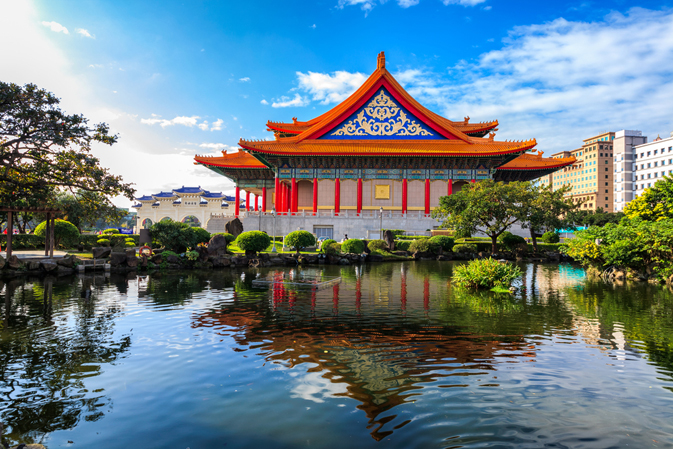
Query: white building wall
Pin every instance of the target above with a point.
(624, 152)
(652, 162)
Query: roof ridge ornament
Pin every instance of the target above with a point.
(381, 61)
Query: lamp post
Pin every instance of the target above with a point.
(381, 223)
(273, 237)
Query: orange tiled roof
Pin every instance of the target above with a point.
(537, 162)
(240, 159)
(474, 147)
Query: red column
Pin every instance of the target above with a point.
(247, 200)
(238, 201)
(263, 199)
(276, 192)
(473, 180)
(427, 197)
(337, 195)
(404, 196)
(449, 188)
(288, 199)
(295, 196)
(281, 210)
(256, 203)
(359, 196)
(315, 196)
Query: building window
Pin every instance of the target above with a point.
(656, 164)
(324, 231)
(655, 152)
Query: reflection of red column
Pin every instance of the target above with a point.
(358, 293)
(335, 296)
(359, 196)
(313, 297)
(403, 292)
(263, 199)
(337, 195)
(238, 201)
(295, 196)
(449, 188)
(247, 200)
(276, 193)
(427, 196)
(426, 293)
(404, 196)
(315, 196)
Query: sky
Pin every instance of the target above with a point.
(178, 78)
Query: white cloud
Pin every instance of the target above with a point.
(407, 3)
(203, 126)
(217, 125)
(264, 102)
(56, 27)
(217, 146)
(462, 2)
(285, 102)
(95, 66)
(244, 79)
(182, 120)
(328, 88)
(368, 5)
(313, 26)
(84, 33)
(365, 5)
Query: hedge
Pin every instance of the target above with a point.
(32, 241)
(402, 245)
(465, 248)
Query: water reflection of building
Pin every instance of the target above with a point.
(378, 354)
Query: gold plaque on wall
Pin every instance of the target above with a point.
(382, 192)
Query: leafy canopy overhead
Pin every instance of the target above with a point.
(40, 145)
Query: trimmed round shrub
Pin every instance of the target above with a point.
(377, 245)
(550, 237)
(485, 273)
(200, 235)
(228, 237)
(176, 236)
(511, 241)
(65, 232)
(423, 246)
(443, 241)
(353, 246)
(465, 248)
(402, 245)
(110, 231)
(332, 248)
(326, 243)
(299, 240)
(253, 241)
(103, 242)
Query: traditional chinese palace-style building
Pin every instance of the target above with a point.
(378, 154)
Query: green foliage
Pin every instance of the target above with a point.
(192, 255)
(299, 240)
(64, 232)
(655, 203)
(49, 148)
(424, 246)
(110, 231)
(103, 242)
(487, 206)
(253, 241)
(511, 241)
(326, 243)
(84, 208)
(332, 249)
(377, 245)
(465, 248)
(353, 246)
(632, 244)
(402, 245)
(416, 237)
(554, 247)
(591, 218)
(176, 236)
(478, 242)
(228, 237)
(550, 237)
(443, 241)
(485, 273)
(546, 209)
(396, 232)
(23, 241)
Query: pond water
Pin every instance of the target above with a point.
(391, 356)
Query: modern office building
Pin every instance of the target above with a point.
(652, 161)
(624, 169)
(591, 175)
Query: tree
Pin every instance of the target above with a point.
(485, 206)
(546, 210)
(64, 232)
(655, 203)
(299, 240)
(253, 241)
(84, 208)
(41, 146)
(176, 236)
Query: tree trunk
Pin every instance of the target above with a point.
(494, 243)
(532, 236)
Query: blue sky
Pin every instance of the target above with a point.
(179, 78)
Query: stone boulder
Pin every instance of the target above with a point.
(33, 265)
(172, 259)
(217, 245)
(400, 253)
(101, 252)
(117, 259)
(234, 227)
(344, 262)
(68, 261)
(130, 252)
(14, 263)
(390, 239)
(131, 261)
(157, 258)
(220, 262)
(48, 265)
